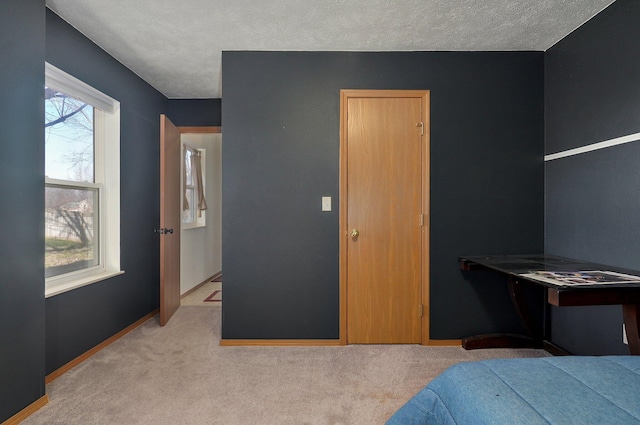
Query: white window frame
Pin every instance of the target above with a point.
(202, 220)
(107, 181)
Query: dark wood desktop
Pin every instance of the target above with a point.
(514, 267)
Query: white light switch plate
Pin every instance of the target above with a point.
(326, 203)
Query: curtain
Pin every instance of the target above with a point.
(185, 199)
(196, 168)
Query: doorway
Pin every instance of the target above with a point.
(191, 257)
(384, 210)
(201, 239)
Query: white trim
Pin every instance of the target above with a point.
(594, 146)
(70, 85)
(71, 183)
(111, 179)
(52, 290)
(106, 178)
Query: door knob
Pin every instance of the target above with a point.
(163, 231)
(355, 234)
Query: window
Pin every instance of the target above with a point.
(82, 207)
(193, 176)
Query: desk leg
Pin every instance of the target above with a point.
(522, 309)
(632, 323)
(500, 341)
(533, 340)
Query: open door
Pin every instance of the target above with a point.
(169, 219)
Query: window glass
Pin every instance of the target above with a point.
(190, 216)
(69, 140)
(187, 167)
(71, 229)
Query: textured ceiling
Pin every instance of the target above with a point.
(176, 45)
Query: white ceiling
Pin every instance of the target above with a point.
(176, 45)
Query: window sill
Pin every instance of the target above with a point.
(78, 283)
(193, 226)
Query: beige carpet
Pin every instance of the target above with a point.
(180, 375)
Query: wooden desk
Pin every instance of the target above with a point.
(517, 267)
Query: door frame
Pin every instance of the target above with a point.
(169, 300)
(345, 94)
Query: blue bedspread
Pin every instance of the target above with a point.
(550, 390)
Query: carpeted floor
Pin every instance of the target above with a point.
(180, 375)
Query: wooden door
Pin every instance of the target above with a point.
(169, 219)
(384, 156)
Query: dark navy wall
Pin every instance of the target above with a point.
(80, 319)
(281, 155)
(73, 322)
(592, 94)
(195, 112)
(22, 318)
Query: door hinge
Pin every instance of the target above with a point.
(421, 310)
(421, 219)
(421, 125)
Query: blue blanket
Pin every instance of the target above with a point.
(550, 390)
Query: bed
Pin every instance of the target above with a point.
(549, 390)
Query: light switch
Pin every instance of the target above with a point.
(326, 203)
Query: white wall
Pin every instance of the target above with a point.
(201, 248)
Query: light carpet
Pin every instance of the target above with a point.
(180, 374)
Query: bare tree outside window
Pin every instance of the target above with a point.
(69, 143)
(71, 210)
